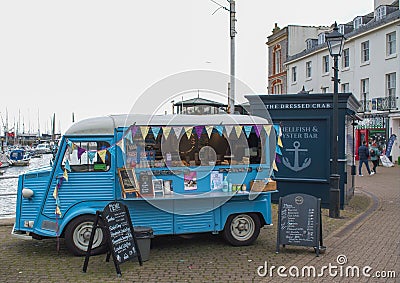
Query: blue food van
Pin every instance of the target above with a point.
(177, 174)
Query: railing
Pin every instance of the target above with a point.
(379, 104)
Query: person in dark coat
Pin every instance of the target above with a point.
(363, 154)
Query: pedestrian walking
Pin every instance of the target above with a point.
(363, 154)
(374, 153)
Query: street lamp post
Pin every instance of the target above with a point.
(335, 42)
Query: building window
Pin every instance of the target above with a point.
(364, 95)
(345, 87)
(325, 64)
(294, 74)
(321, 38)
(277, 87)
(346, 58)
(380, 12)
(308, 69)
(277, 61)
(391, 43)
(391, 84)
(357, 22)
(365, 51)
(324, 89)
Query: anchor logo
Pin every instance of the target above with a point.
(296, 166)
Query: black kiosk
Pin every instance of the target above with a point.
(306, 123)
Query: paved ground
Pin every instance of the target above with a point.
(372, 240)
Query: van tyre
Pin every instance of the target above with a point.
(77, 236)
(242, 229)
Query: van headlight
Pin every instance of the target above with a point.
(27, 193)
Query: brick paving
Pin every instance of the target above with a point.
(373, 240)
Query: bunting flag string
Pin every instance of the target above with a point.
(132, 130)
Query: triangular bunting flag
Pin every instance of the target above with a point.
(188, 131)
(274, 166)
(91, 155)
(128, 136)
(247, 130)
(65, 175)
(121, 145)
(277, 159)
(111, 150)
(80, 152)
(72, 147)
(55, 193)
(258, 128)
(102, 154)
(177, 131)
(67, 166)
(209, 130)
(144, 130)
(134, 129)
(199, 130)
(228, 130)
(69, 143)
(58, 211)
(67, 154)
(156, 131)
(219, 129)
(277, 130)
(278, 150)
(267, 129)
(166, 131)
(280, 142)
(238, 130)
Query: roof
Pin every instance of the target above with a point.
(198, 101)
(106, 125)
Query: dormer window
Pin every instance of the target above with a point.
(309, 43)
(358, 22)
(321, 38)
(380, 12)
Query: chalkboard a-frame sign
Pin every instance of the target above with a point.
(299, 222)
(118, 229)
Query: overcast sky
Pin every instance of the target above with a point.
(95, 58)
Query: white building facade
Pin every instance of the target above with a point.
(369, 68)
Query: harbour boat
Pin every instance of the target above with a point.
(43, 148)
(4, 162)
(19, 157)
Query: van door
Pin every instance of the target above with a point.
(91, 179)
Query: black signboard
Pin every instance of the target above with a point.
(146, 184)
(127, 178)
(299, 221)
(120, 235)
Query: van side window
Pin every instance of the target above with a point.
(90, 159)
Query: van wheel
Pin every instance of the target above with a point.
(242, 229)
(77, 236)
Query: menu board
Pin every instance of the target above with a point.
(146, 184)
(299, 221)
(117, 222)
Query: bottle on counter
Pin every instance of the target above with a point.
(225, 185)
